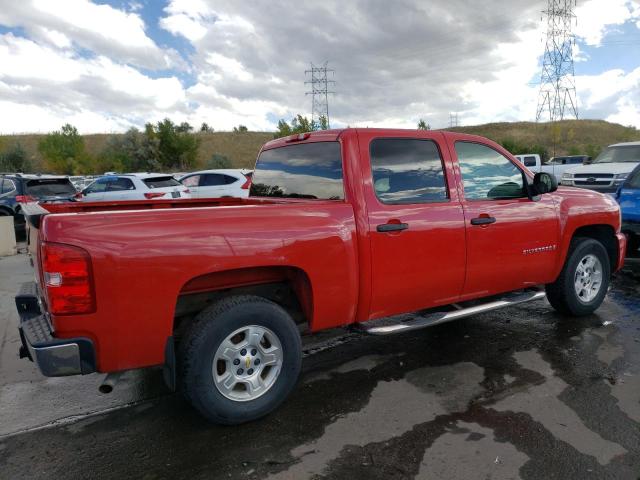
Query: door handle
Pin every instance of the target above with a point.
(392, 227)
(483, 221)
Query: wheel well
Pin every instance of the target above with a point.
(289, 287)
(605, 234)
(7, 211)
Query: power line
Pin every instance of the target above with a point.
(557, 81)
(319, 92)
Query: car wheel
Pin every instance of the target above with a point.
(240, 359)
(583, 281)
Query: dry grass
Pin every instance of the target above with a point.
(242, 148)
(560, 138)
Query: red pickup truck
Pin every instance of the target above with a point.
(342, 228)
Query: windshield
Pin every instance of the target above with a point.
(161, 182)
(621, 154)
(53, 187)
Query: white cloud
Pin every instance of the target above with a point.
(100, 28)
(596, 18)
(69, 87)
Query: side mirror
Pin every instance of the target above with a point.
(544, 182)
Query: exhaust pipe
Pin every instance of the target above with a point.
(109, 382)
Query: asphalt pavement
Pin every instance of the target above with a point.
(517, 393)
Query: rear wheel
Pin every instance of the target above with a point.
(584, 280)
(240, 359)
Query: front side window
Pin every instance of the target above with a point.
(407, 171)
(96, 187)
(634, 181)
(487, 174)
(191, 181)
(311, 170)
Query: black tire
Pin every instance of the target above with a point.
(562, 293)
(198, 348)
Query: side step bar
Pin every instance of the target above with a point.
(418, 322)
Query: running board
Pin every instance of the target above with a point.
(418, 322)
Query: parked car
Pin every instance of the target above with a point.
(608, 171)
(628, 197)
(218, 183)
(556, 166)
(134, 186)
(19, 188)
(342, 228)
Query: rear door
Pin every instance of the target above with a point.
(192, 182)
(415, 222)
(512, 241)
(215, 185)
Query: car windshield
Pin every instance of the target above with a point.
(50, 187)
(621, 154)
(161, 182)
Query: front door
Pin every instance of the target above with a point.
(416, 223)
(512, 240)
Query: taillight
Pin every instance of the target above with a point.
(25, 198)
(247, 184)
(66, 272)
(151, 195)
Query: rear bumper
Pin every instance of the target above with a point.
(55, 357)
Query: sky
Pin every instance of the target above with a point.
(106, 66)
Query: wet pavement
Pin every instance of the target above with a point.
(517, 393)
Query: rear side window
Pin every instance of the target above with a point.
(529, 161)
(191, 181)
(161, 182)
(120, 184)
(407, 171)
(6, 186)
(311, 170)
(50, 187)
(216, 179)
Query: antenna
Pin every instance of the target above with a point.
(319, 92)
(557, 82)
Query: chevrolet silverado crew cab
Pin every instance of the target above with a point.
(342, 228)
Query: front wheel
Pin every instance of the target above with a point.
(240, 359)
(583, 282)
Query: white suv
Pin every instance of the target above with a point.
(134, 186)
(218, 183)
(608, 171)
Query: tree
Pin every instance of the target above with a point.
(218, 161)
(240, 129)
(184, 127)
(14, 159)
(299, 124)
(422, 125)
(134, 151)
(177, 146)
(64, 151)
(205, 127)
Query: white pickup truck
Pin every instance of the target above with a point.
(556, 166)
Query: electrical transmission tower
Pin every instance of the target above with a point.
(557, 82)
(319, 92)
(453, 120)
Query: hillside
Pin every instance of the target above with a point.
(562, 138)
(567, 137)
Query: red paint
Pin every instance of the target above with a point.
(144, 254)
